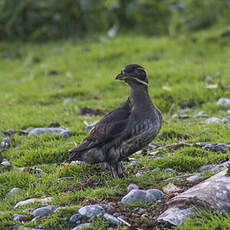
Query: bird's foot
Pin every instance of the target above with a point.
(116, 170)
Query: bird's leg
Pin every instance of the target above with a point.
(116, 169)
(106, 165)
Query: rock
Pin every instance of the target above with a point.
(18, 217)
(169, 170)
(224, 102)
(69, 100)
(59, 131)
(220, 147)
(175, 116)
(6, 164)
(112, 219)
(75, 218)
(141, 210)
(5, 144)
(10, 132)
(200, 115)
(32, 200)
(137, 195)
(81, 226)
(92, 211)
(107, 207)
(206, 168)
(131, 187)
(44, 211)
(171, 188)
(13, 191)
(214, 193)
(139, 174)
(157, 193)
(194, 177)
(225, 120)
(213, 120)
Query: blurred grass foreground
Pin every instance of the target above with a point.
(53, 19)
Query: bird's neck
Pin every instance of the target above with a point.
(139, 96)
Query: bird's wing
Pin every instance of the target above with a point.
(105, 130)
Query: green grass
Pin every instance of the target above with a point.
(32, 97)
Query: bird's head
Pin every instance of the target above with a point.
(134, 75)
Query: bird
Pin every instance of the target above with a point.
(125, 130)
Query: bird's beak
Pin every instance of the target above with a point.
(120, 77)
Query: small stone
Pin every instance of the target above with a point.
(200, 115)
(107, 207)
(213, 120)
(206, 168)
(32, 200)
(81, 226)
(5, 144)
(91, 211)
(141, 211)
(17, 217)
(6, 164)
(139, 174)
(224, 102)
(131, 187)
(169, 170)
(13, 191)
(175, 116)
(44, 211)
(220, 147)
(75, 218)
(69, 100)
(194, 177)
(59, 131)
(112, 219)
(137, 195)
(171, 188)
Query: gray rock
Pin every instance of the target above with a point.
(112, 219)
(194, 177)
(157, 193)
(13, 191)
(92, 210)
(5, 144)
(169, 170)
(139, 174)
(220, 147)
(137, 195)
(107, 207)
(32, 200)
(213, 120)
(81, 226)
(206, 168)
(131, 187)
(141, 210)
(175, 116)
(17, 217)
(200, 115)
(59, 131)
(6, 164)
(69, 100)
(75, 218)
(44, 211)
(224, 102)
(10, 132)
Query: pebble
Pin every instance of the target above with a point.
(5, 144)
(139, 174)
(138, 195)
(220, 147)
(112, 219)
(169, 170)
(107, 207)
(81, 226)
(17, 217)
(213, 120)
(44, 211)
(13, 191)
(75, 218)
(224, 102)
(6, 164)
(200, 115)
(32, 200)
(59, 131)
(194, 177)
(131, 187)
(69, 100)
(94, 210)
(141, 211)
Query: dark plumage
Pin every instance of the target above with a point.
(125, 130)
